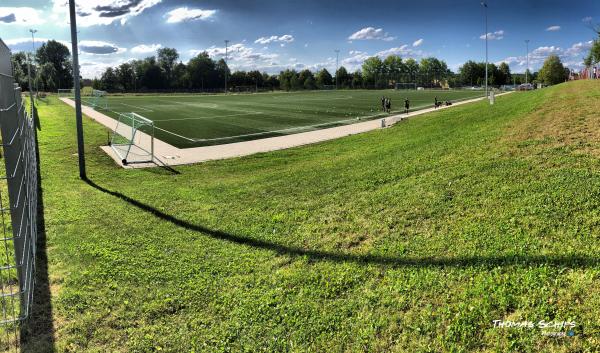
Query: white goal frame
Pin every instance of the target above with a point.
(130, 143)
(66, 93)
(406, 85)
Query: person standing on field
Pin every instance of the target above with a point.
(383, 103)
(388, 105)
(406, 105)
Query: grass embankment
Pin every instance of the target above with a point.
(408, 239)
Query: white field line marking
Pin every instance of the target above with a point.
(212, 117)
(174, 134)
(156, 127)
(135, 106)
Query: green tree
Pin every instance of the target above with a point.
(357, 79)
(504, 76)
(553, 71)
(20, 69)
(109, 80)
(201, 71)
(373, 70)
(394, 68)
(167, 59)
(125, 76)
(47, 80)
(310, 83)
(57, 55)
(594, 55)
(343, 78)
(323, 78)
(305, 75)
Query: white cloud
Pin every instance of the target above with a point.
(145, 49)
(553, 29)
(357, 58)
(24, 43)
(20, 16)
(100, 12)
(99, 47)
(403, 50)
(184, 14)
(370, 33)
(418, 42)
(286, 38)
(571, 57)
(586, 19)
(498, 35)
(241, 57)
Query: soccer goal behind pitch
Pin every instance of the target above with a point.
(133, 139)
(66, 93)
(406, 85)
(329, 87)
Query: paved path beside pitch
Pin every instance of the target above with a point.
(171, 156)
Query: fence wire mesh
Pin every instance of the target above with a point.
(18, 205)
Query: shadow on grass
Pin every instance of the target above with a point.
(572, 261)
(37, 332)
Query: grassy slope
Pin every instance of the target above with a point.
(217, 116)
(412, 238)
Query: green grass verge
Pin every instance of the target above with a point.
(409, 239)
(200, 120)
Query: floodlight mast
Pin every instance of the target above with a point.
(33, 31)
(337, 67)
(77, 88)
(226, 52)
(527, 69)
(484, 4)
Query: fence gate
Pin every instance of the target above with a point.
(18, 205)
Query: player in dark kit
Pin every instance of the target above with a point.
(383, 103)
(406, 105)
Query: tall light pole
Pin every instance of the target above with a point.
(527, 69)
(226, 53)
(77, 87)
(484, 4)
(337, 66)
(33, 31)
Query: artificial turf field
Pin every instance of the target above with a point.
(408, 239)
(200, 120)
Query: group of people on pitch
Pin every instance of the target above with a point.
(386, 105)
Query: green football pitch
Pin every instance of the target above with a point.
(201, 120)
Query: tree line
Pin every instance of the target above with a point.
(165, 71)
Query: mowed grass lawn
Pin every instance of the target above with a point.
(409, 239)
(199, 120)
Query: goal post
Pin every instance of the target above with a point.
(133, 139)
(98, 99)
(406, 85)
(329, 87)
(66, 93)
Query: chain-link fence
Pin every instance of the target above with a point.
(18, 205)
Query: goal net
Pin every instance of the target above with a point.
(329, 87)
(244, 89)
(406, 85)
(133, 139)
(66, 93)
(98, 99)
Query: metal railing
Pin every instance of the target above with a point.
(18, 205)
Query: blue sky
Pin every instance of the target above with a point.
(270, 35)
